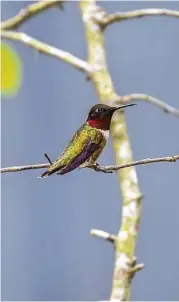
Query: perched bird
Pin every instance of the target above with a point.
(87, 143)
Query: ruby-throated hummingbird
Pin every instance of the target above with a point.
(87, 143)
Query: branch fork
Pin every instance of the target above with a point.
(131, 266)
(108, 19)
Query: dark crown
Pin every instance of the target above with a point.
(99, 110)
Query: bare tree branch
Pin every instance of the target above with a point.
(154, 101)
(97, 168)
(47, 49)
(23, 168)
(107, 19)
(113, 168)
(28, 12)
(113, 239)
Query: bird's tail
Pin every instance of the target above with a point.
(51, 170)
(45, 174)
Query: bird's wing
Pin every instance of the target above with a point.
(88, 149)
(82, 145)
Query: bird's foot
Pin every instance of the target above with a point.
(95, 166)
(99, 168)
(88, 165)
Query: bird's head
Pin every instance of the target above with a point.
(100, 115)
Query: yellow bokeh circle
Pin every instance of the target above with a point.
(11, 70)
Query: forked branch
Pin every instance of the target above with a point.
(107, 19)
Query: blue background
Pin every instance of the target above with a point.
(47, 252)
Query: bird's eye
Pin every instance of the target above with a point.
(98, 110)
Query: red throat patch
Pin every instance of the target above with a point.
(103, 123)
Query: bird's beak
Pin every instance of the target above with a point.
(123, 106)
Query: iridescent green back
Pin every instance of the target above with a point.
(77, 145)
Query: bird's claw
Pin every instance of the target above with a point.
(98, 168)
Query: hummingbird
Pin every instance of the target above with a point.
(87, 143)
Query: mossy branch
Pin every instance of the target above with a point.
(127, 177)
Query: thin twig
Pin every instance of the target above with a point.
(97, 168)
(137, 268)
(111, 168)
(47, 49)
(28, 12)
(103, 235)
(107, 19)
(154, 101)
(23, 168)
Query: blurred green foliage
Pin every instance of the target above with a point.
(11, 70)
